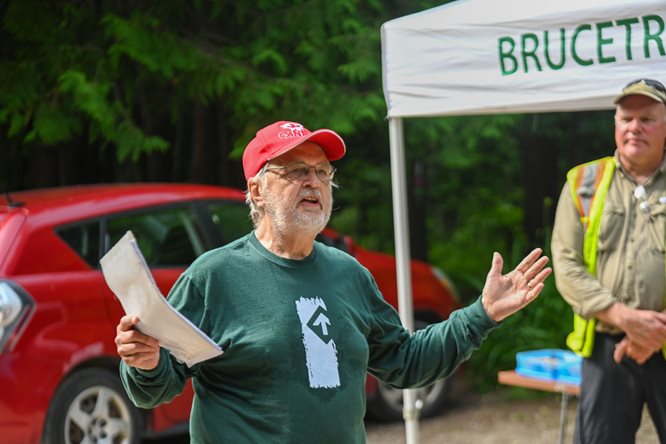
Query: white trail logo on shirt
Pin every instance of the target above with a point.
(321, 356)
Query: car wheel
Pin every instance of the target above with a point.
(386, 403)
(91, 406)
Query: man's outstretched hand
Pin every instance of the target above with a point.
(505, 294)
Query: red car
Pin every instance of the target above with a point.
(58, 364)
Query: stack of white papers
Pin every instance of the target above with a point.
(128, 276)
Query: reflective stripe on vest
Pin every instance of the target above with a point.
(588, 184)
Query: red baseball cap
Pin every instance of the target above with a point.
(280, 137)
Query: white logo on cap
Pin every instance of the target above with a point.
(292, 130)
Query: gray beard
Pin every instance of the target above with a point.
(287, 220)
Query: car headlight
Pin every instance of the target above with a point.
(13, 305)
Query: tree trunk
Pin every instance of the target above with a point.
(418, 212)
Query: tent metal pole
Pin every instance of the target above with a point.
(402, 257)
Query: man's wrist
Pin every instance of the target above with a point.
(614, 315)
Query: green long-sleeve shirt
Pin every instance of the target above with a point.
(298, 338)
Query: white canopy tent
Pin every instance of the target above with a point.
(508, 56)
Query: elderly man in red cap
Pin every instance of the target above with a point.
(301, 323)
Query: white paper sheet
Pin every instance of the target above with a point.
(128, 276)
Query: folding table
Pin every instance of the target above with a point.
(567, 390)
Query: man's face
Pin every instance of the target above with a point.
(298, 205)
(640, 130)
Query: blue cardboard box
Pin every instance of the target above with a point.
(551, 364)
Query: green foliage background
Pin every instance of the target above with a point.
(118, 90)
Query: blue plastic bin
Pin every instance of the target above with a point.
(551, 364)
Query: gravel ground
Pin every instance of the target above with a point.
(496, 419)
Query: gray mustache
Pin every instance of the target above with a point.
(309, 193)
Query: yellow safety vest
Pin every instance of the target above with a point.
(589, 184)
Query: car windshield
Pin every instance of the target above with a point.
(167, 237)
(231, 218)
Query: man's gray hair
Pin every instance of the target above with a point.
(255, 213)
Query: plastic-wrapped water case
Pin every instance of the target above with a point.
(551, 364)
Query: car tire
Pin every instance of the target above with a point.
(91, 406)
(385, 404)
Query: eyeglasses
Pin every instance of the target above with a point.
(657, 86)
(295, 172)
(649, 82)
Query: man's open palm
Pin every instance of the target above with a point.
(505, 294)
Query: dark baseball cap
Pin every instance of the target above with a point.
(645, 87)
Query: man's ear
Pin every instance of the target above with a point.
(254, 187)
